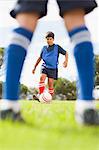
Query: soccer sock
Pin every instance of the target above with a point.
(14, 58)
(9, 104)
(51, 91)
(83, 53)
(41, 87)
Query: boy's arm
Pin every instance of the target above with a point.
(36, 64)
(63, 52)
(66, 60)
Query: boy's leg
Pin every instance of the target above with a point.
(15, 54)
(41, 87)
(83, 52)
(14, 59)
(52, 75)
(51, 86)
(42, 83)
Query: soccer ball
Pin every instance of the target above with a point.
(45, 97)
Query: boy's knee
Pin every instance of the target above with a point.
(74, 18)
(42, 79)
(28, 20)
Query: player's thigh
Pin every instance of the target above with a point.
(74, 11)
(28, 20)
(52, 73)
(38, 6)
(43, 74)
(74, 19)
(27, 12)
(68, 5)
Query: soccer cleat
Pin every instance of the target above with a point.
(88, 117)
(11, 115)
(36, 97)
(91, 117)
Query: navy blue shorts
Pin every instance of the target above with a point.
(51, 73)
(40, 6)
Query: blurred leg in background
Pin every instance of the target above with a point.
(73, 13)
(27, 14)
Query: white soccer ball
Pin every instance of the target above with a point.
(45, 97)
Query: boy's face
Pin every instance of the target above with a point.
(50, 40)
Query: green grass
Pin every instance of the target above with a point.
(49, 127)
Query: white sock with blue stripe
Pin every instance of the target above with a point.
(15, 55)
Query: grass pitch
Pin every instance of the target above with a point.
(49, 127)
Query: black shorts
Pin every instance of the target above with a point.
(51, 73)
(40, 6)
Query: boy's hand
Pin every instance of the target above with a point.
(33, 71)
(65, 64)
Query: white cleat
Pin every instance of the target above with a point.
(86, 113)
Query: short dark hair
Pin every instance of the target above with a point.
(50, 34)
